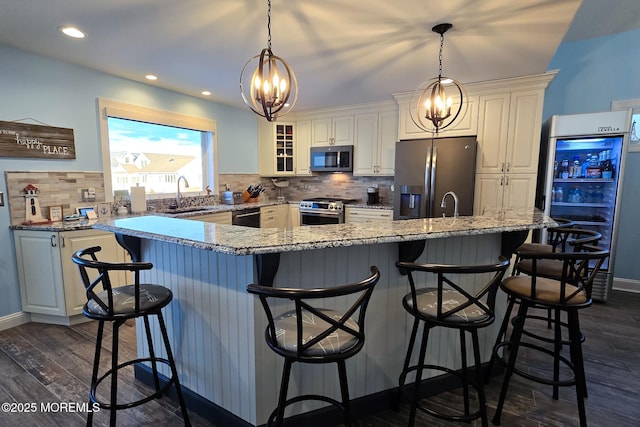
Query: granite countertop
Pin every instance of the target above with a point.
(244, 240)
(85, 224)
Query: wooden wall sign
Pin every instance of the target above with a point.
(28, 140)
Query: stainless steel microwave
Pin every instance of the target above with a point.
(332, 158)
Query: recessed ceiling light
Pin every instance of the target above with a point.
(73, 32)
(151, 77)
(206, 93)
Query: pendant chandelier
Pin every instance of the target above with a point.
(273, 88)
(441, 102)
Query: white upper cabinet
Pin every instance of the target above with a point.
(374, 146)
(467, 125)
(303, 144)
(276, 148)
(509, 132)
(336, 130)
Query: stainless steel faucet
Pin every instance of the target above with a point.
(186, 185)
(455, 203)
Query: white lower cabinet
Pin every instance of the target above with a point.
(367, 215)
(504, 191)
(218, 218)
(50, 285)
(273, 216)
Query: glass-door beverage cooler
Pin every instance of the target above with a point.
(580, 177)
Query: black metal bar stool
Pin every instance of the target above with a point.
(562, 239)
(446, 303)
(310, 334)
(568, 293)
(116, 306)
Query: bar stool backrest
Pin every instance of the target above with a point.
(557, 236)
(102, 282)
(307, 300)
(449, 277)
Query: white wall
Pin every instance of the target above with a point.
(593, 73)
(65, 95)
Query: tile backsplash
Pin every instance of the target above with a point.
(66, 188)
(54, 188)
(341, 185)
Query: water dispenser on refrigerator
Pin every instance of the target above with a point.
(411, 201)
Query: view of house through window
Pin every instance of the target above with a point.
(154, 156)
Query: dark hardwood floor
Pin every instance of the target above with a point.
(46, 363)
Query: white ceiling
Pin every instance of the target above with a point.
(342, 51)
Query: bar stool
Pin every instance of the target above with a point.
(117, 305)
(569, 293)
(447, 304)
(564, 240)
(311, 334)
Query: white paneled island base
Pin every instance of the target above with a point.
(217, 328)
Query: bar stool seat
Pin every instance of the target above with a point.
(446, 303)
(116, 305)
(308, 333)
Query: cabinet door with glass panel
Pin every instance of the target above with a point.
(276, 149)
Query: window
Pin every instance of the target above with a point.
(149, 147)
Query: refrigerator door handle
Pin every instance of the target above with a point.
(432, 184)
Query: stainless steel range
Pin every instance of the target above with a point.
(322, 210)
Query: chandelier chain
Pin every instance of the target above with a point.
(440, 57)
(269, 24)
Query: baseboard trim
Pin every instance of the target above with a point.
(626, 285)
(13, 320)
(360, 407)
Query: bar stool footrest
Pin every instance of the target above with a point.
(334, 402)
(560, 383)
(157, 394)
(440, 415)
(540, 337)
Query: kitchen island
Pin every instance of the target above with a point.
(217, 328)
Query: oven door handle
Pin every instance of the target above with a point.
(247, 214)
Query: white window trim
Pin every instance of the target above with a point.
(111, 108)
(634, 105)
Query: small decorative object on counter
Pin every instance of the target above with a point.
(33, 215)
(138, 199)
(55, 213)
(253, 192)
(104, 209)
(280, 184)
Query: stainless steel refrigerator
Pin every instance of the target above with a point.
(581, 177)
(426, 169)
